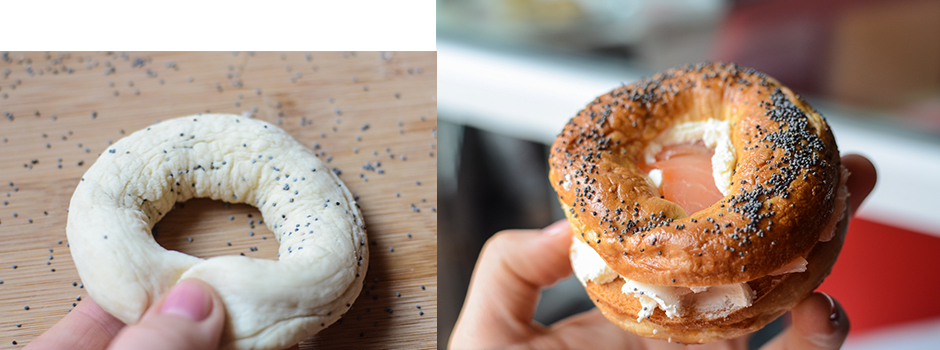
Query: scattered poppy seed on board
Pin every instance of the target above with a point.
(122, 93)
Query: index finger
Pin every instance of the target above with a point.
(86, 327)
(862, 179)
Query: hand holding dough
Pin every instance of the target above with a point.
(270, 304)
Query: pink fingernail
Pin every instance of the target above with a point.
(556, 228)
(833, 308)
(189, 300)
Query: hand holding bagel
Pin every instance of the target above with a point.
(706, 201)
(189, 316)
(515, 265)
(261, 304)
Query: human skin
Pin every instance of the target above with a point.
(516, 264)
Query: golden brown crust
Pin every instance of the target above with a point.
(774, 295)
(687, 336)
(782, 196)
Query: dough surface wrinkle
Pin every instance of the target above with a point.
(270, 304)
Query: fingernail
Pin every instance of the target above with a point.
(833, 308)
(556, 228)
(189, 300)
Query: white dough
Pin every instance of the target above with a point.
(269, 304)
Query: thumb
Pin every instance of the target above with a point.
(190, 316)
(504, 289)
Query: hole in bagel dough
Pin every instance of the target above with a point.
(212, 225)
(686, 173)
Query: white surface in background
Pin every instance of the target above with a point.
(916, 336)
(520, 97)
(532, 99)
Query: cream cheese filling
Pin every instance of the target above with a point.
(710, 302)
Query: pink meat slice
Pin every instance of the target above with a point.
(687, 175)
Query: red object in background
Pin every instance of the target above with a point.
(852, 50)
(789, 40)
(886, 276)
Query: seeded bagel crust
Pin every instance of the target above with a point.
(774, 295)
(786, 155)
(787, 198)
(269, 304)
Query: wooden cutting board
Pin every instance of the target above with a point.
(370, 115)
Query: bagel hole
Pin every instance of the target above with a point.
(207, 228)
(687, 178)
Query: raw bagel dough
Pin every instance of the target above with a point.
(269, 304)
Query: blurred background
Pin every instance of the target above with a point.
(513, 72)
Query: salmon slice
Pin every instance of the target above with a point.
(687, 175)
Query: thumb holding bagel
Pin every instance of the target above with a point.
(189, 316)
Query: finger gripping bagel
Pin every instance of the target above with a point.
(322, 256)
(784, 197)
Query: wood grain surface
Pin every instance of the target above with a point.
(370, 115)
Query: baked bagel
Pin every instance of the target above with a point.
(322, 256)
(699, 274)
